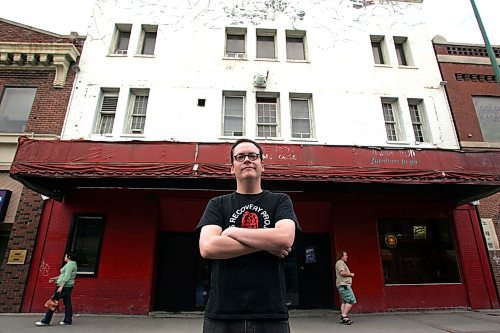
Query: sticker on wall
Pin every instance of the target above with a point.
(490, 234)
(419, 232)
(391, 240)
(310, 255)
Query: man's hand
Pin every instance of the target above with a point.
(281, 253)
(59, 289)
(52, 280)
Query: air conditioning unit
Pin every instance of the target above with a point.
(260, 81)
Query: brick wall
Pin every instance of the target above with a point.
(490, 208)
(46, 117)
(22, 236)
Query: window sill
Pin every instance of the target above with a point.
(298, 61)
(304, 139)
(231, 137)
(407, 67)
(267, 59)
(115, 55)
(268, 139)
(133, 136)
(406, 143)
(383, 66)
(232, 58)
(144, 55)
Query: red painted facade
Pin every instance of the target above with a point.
(125, 281)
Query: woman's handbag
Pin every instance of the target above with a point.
(53, 302)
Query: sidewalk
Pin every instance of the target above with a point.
(487, 321)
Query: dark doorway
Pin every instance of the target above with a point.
(177, 268)
(314, 271)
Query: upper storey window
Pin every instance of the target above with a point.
(236, 43)
(121, 39)
(295, 45)
(266, 44)
(147, 41)
(378, 49)
(403, 51)
(15, 109)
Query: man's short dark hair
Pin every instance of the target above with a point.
(261, 153)
(71, 255)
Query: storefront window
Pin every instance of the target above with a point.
(418, 251)
(85, 241)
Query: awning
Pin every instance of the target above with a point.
(55, 167)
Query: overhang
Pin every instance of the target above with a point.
(55, 168)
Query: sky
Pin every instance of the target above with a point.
(452, 19)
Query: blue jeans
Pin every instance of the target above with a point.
(68, 307)
(246, 326)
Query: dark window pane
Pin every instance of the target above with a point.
(148, 47)
(401, 54)
(85, 242)
(377, 53)
(265, 47)
(417, 251)
(295, 48)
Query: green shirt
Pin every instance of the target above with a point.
(68, 274)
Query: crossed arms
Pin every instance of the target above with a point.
(234, 242)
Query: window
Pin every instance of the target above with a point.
(378, 49)
(138, 105)
(235, 43)
(266, 45)
(403, 51)
(85, 241)
(267, 117)
(15, 109)
(300, 109)
(148, 39)
(295, 46)
(488, 114)
(107, 111)
(233, 114)
(392, 119)
(121, 38)
(417, 115)
(417, 251)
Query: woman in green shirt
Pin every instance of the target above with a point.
(65, 282)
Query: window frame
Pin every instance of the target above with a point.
(4, 107)
(120, 28)
(308, 99)
(230, 31)
(378, 43)
(71, 242)
(296, 34)
(145, 30)
(397, 121)
(266, 33)
(131, 108)
(233, 94)
(403, 52)
(99, 114)
(424, 127)
(263, 96)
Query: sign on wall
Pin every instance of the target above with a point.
(488, 115)
(490, 234)
(17, 257)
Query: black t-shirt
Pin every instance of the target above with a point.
(251, 286)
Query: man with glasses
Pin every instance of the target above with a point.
(247, 234)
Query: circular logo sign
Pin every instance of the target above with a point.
(391, 240)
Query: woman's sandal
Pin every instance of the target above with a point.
(345, 320)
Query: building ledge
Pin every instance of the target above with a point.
(45, 56)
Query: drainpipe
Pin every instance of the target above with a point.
(487, 42)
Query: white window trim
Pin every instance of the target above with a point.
(241, 94)
(278, 116)
(266, 33)
(426, 129)
(308, 98)
(398, 120)
(119, 27)
(406, 50)
(383, 48)
(97, 123)
(297, 34)
(236, 31)
(146, 28)
(134, 92)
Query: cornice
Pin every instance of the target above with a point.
(45, 56)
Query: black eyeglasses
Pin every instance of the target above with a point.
(251, 157)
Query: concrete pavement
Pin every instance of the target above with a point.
(317, 321)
